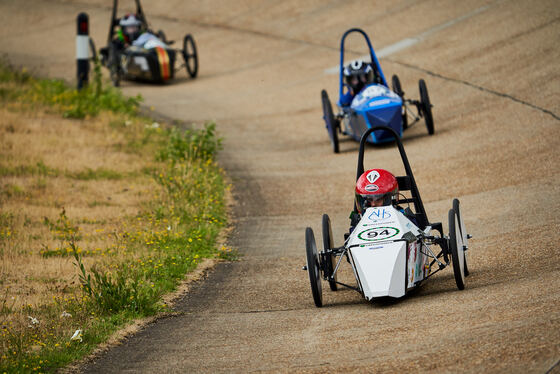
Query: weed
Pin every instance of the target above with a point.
(191, 144)
(62, 228)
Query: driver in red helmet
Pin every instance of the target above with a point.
(374, 188)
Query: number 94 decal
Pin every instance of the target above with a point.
(378, 233)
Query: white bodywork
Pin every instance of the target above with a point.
(385, 263)
(148, 41)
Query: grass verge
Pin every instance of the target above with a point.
(102, 212)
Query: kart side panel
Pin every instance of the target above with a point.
(149, 64)
(417, 262)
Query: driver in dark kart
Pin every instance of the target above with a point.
(375, 188)
(357, 75)
(131, 33)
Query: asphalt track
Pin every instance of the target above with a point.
(494, 80)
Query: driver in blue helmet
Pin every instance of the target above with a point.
(357, 75)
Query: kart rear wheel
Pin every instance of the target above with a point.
(330, 121)
(426, 106)
(464, 235)
(457, 253)
(190, 55)
(330, 259)
(313, 267)
(396, 84)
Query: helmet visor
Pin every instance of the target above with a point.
(372, 200)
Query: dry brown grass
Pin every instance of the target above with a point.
(29, 193)
(94, 232)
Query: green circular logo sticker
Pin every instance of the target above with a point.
(378, 233)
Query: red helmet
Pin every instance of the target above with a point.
(375, 187)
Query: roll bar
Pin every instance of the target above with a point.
(371, 54)
(114, 21)
(405, 183)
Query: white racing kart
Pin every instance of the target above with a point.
(390, 253)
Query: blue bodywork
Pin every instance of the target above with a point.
(375, 105)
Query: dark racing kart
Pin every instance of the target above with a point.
(155, 61)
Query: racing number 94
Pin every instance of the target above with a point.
(378, 233)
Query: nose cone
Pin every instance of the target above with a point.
(389, 115)
(379, 106)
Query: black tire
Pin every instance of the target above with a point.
(190, 55)
(426, 106)
(115, 71)
(313, 267)
(396, 84)
(328, 244)
(457, 209)
(330, 121)
(457, 253)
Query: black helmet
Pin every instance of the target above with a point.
(357, 74)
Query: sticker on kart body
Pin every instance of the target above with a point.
(378, 214)
(379, 102)
(378, 233)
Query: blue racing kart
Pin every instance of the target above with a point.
(375, 105)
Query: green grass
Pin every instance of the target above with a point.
(39, 169)
(19, 85)
(42, 170)
(151, 252)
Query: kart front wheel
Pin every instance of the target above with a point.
(330, 259)
(330, 121)
(115, 71)
(190, 55)
(426, 106)
(463, 230)
(313, 267)
(396, 84)
(457, 252)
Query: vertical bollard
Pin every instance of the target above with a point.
(82, 50)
